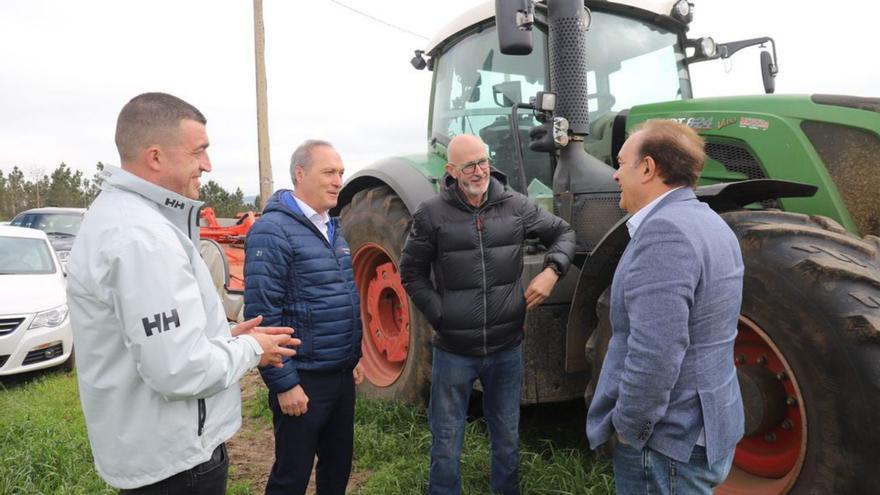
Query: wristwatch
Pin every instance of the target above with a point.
(555, 266)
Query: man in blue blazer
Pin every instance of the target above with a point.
(668, 390)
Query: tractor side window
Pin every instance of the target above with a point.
(475, 88)
(631, 63)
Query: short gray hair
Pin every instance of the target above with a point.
(151, 118)
(302, 155)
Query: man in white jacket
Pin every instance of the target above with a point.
(157, 364)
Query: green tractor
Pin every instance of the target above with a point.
(553, 88)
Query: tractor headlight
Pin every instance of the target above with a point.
(708, 47)
(683, 11)
(50, 318)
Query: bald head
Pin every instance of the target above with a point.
(462, 146)
(468, 164)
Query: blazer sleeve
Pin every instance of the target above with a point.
(659, 289)
(415, 266)
(554, 232)
(267, 258)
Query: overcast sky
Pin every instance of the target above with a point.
(67, 67)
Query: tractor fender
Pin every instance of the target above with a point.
(598, 268)
(729, 196)
(411, 185)
(595, 276)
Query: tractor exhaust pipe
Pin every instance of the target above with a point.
(576, 171)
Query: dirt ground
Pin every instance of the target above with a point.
(251, 450)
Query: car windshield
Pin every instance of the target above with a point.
(25, 256)
(60, 224)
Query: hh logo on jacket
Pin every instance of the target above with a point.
(160, 322)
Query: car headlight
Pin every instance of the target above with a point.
(63, 256)
(50, 318)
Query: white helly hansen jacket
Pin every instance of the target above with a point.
(158, 369)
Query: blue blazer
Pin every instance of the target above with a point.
(669, 371)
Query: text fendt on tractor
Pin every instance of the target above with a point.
(553, 88)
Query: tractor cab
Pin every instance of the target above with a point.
(637, 53)
(476, 86)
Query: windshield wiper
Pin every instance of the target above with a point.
(63, 234)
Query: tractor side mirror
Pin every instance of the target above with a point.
(514, 19)
(768, 72)
(510, 91)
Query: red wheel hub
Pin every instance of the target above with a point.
(385, 314)
(769, 458)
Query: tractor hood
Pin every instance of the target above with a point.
(829, 141)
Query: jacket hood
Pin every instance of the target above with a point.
(498, 188)
(275, 203)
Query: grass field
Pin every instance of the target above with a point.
(46, 451)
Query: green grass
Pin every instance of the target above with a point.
(392, 444)
(46, 451)
(43, 437)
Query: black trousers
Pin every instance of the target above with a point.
(208, 478)
(325, 430)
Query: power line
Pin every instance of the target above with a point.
(368, 16)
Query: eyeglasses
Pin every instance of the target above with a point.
(471, 166)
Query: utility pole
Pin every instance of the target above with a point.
(266, 183)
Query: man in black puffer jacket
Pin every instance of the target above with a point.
(472, 236)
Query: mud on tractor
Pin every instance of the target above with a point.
(553, 87)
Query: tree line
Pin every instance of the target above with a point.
(65, 187)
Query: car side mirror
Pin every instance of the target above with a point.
(768, 72)
(513, 20)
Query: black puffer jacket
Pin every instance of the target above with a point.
(477, 306)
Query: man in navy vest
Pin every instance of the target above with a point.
(298, 271)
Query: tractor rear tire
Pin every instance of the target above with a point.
(809, 336)
(810, 326)
(397, 338)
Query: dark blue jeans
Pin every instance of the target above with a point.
(452, 379)
(647, 471)
(208, 478)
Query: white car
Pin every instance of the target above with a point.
(60, 224)
(34, 323)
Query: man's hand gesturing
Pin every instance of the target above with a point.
(275, 341)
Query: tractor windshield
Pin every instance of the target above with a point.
(630, 62)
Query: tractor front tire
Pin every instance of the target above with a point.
(397, 338)
(808, 357)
